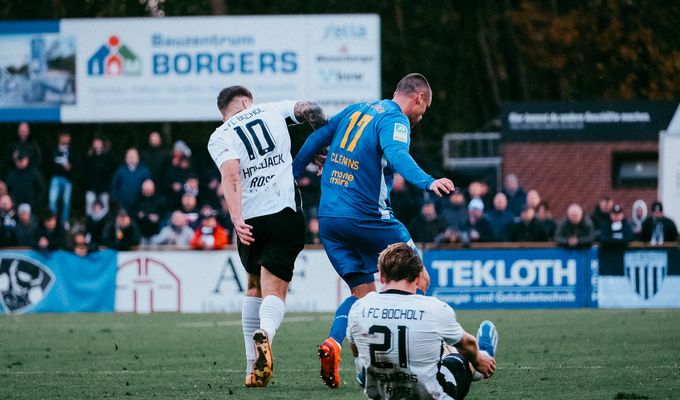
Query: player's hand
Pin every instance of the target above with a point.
(486, 365)
(442, 186)
(319, 159)
(244, 231)
(424, 281)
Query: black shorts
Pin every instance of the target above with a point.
(279, 238)
(458, 366)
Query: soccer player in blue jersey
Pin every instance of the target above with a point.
(368, 143)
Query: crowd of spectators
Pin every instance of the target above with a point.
(156, 197)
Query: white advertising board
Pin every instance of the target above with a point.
(215, 281)
(171, 69)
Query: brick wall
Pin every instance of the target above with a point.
(573, 172)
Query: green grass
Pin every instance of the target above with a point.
(544, 354)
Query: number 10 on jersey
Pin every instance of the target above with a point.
(360, 125)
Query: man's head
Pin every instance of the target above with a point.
(575, 214)
(148, 188)
(6, 203)
(428, 211)
(155, 139)
(24, 211)
(414, 96)
(98, 145)
(23, 131)
(123, 218)
(511, 183)
(178, 219)
(457, 198)
(50, 221)
(476, 208)
(22, 160)
(657, 209)
(233, 99)
(188, 202)
(527, 214)
(64, 139)
(606, 203)
(398, 262)
(132, 157)
(500, 201)
(617, 214)
(533, 198)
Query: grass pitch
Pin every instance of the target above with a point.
(543, 354)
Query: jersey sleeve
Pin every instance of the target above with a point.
(320, 138)
(449, 328)
(351, 322)
(395, 137)
(221, 148)
(286, 108)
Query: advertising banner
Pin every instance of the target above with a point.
(171, 69)
(509, 278)
(639, 278)
(59, 281)
(571, 121)
(215, 281)
(669, 173)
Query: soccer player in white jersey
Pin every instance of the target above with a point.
(409, 346)
(252, 151)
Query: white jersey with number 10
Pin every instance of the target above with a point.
(258, 137)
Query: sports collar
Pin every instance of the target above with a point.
(395, 291)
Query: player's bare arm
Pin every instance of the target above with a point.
(231, 186)
(311, 112)
(468, 347)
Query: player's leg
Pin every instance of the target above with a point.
(283, 241)
(250, 321)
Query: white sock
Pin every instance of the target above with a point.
(250, 322)
(271, 315)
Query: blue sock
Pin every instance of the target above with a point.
(339, 328)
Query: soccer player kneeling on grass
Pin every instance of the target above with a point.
(409, 346)
(252, 151)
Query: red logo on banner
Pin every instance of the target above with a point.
(145, 285)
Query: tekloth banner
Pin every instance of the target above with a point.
(171, 69)
(523, 278)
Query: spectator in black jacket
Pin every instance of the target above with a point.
(618, 232)
(25, 184)
(24, 145)
(575, 231)
(177, 173)
(100, 166)
(27, 227)
(122, 233)
(657, 228)
(150, 211)
(517, 197)
(156, 158)
(96, 222)
(455, 211)
(544, 216)
(600, 216)
(61, 186)
(425, 226)
(51, 235)
(477, 228)
(528, 228)
(500, 218)
(8, 222)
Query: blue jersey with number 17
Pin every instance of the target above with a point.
(368, 142)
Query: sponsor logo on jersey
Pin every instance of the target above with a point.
(646, 271)
(23, 283)
(114, 59)
(400, 133)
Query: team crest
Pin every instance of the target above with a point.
(646, 271)
(23, 283)
(400, 133)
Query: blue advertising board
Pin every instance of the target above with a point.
(510, 278)
(57, 281)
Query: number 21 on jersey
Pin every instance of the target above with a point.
(360, 124)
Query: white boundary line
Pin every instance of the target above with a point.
(237, 322)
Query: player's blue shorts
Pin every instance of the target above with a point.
(353, 245)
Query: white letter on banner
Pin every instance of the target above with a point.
(462, 273)
(482, 274)
(569, 272)
(516, 273)
(543, 266)
(501, 278)
(442, 266)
